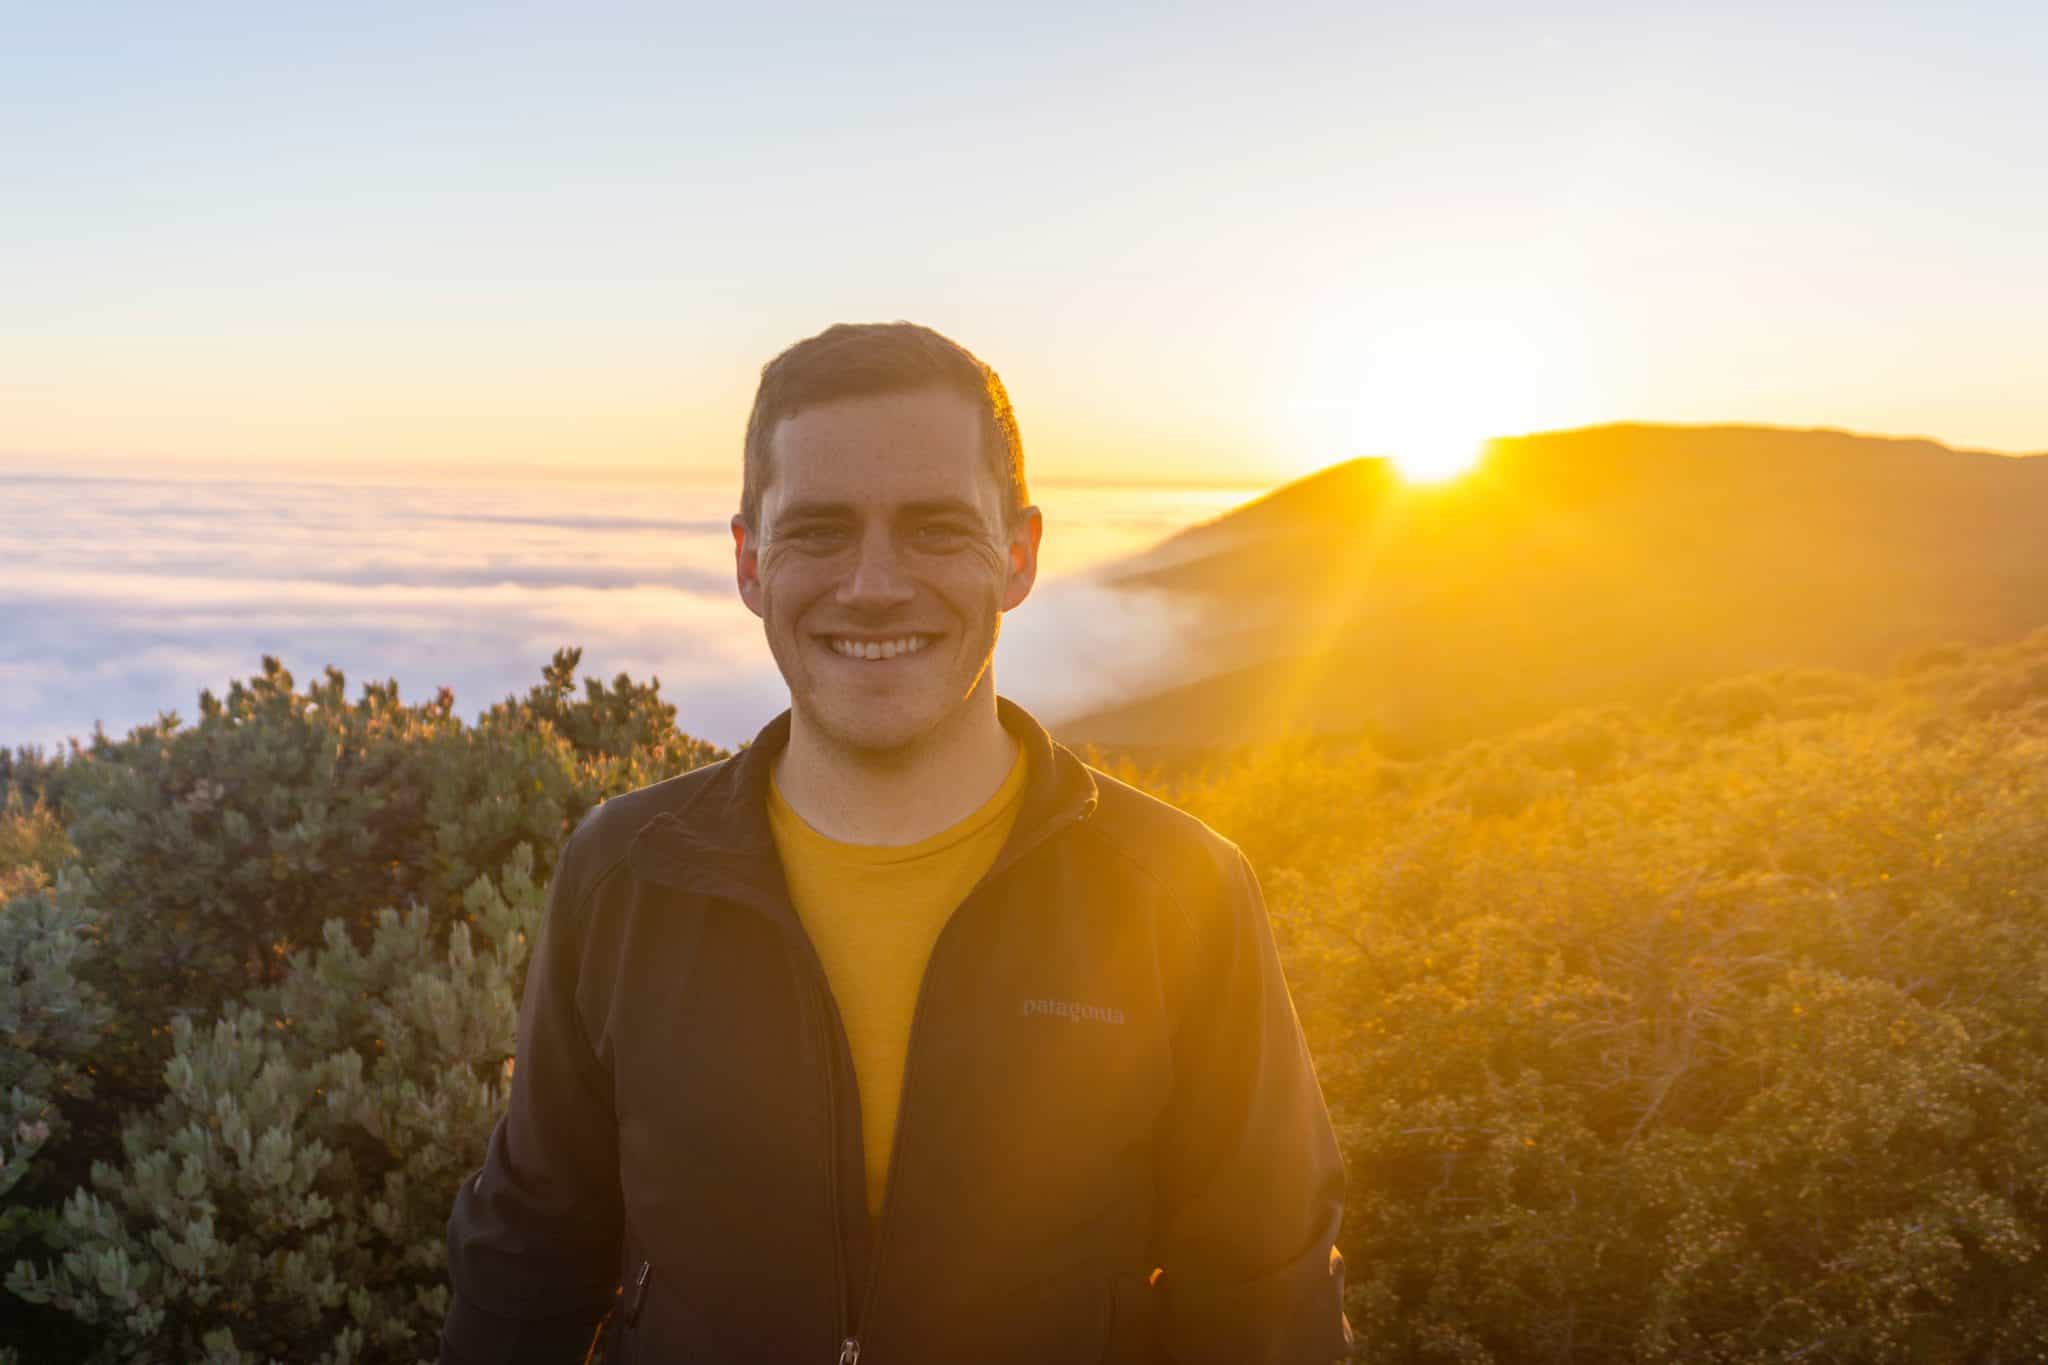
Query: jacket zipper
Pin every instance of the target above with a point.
(849, 1352)
(629, 1319)
(850, 1349)
(850, 1346)
(832, 1150)
(639, 1299)
(835, 1032)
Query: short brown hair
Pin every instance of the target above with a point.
(860, 360)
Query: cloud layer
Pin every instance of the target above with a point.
(123, 598)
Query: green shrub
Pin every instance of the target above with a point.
(50, 1021)
(289, 1195)
(222, 847)
(219, 852)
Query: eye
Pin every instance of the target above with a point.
(941, 535)
(815, 537)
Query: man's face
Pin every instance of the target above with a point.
(881, 566)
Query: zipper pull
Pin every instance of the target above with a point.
(849, 1351)
(639, 1298)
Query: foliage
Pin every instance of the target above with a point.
(29, 773)
(49, 1018)
(1718, 1034)
(528, 770)
(32, 841)
(1728, 1045)
(217, 854)
(288, 1197)
(224, 846)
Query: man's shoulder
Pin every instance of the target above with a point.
(607, 831)
(1166, 843)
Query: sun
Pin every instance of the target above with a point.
(1430, 392)
(1438, 460)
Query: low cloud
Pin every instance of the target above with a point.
(1076, 645)
(126, 598)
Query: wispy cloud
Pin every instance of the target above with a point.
(1076, 645)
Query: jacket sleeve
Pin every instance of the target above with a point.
(1250, 1182)
(533, 1242)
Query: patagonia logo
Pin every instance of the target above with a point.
(1074, 1011)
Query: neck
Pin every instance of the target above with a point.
(893, 797)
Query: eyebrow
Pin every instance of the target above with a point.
(924, 507)
(942, 507)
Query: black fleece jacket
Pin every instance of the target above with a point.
(1105, 1079)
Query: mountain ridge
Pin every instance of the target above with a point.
(1618, 562)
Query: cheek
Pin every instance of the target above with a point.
(787, 576)
(988, 560)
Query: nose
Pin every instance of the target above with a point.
(877, 578)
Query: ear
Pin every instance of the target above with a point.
(746, 555)
(1023, 555)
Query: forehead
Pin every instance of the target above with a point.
(878, 450)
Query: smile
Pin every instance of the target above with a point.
(877, 649)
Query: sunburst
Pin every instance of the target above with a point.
(1438, 460)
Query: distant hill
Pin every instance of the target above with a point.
(1614, 563)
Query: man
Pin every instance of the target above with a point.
(902, 1035)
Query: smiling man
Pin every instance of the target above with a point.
(903, 1035)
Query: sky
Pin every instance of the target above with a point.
(1224, 244)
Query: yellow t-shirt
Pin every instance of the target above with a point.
(874, 912)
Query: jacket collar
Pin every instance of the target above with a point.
(718, 843)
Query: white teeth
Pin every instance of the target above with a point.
(878, 649)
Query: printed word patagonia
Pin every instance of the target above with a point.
(1074, 1010)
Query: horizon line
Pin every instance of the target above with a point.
(133, 468)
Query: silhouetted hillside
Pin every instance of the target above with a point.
(1617, 563)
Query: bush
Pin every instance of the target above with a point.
(1738, 1055)
(223, 847)
(215, 857)
(288, 1198)
(1720, 1036)
(51, 1021)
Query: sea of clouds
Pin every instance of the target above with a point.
(122, 597)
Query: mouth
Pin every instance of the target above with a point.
(876, 650)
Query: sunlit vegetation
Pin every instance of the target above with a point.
(1717, 1035)
(1710, 1032)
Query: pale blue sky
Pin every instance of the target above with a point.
(1199, 242)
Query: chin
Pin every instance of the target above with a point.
(874, 736)
(880, 728)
